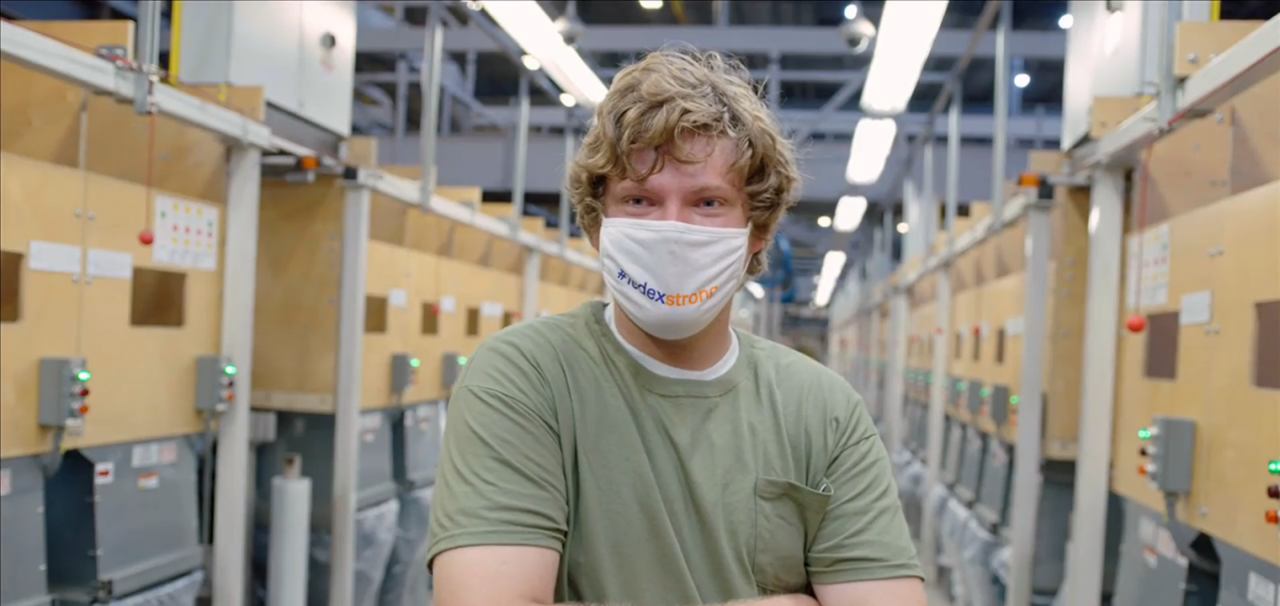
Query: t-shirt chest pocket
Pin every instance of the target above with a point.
(787, 519)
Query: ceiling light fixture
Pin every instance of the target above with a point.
(872, 141)
(905, 39)
(849, 213)
(536, 34)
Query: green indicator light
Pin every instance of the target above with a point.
(414, 362)
(83, 375)
(1144, 434)
(1274, 467)
(462, 360)
(1013, 400)
(984, 392)
(229, 370)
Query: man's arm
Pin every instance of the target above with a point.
(513, 575)
(863, 554)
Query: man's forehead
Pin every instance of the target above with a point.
(712, 160)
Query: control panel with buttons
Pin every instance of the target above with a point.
(404, 371)
(215, 383)
(63, 393)
(1169, 449)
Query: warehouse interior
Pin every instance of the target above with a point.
(1040, 238)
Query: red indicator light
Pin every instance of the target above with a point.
(84, 409)
(1273, 491)
(228, 395)
(1273, 517)
(1142, 470)
(82, 392)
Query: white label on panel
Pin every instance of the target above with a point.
(148, 481)
(448, 304)
(186, 234)
(6, 482)
(168, 453)
(53, 256)
(398, 297)
(1197, 308)
(145, 455)
(1014, 326)
(104, 263)
(1261, 591)
(371, 422)
(491, 309)
(104, 473)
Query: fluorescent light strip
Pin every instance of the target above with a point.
(872, 141)
(849, 213)
(832, 268)
(905, 38)
(536, 34)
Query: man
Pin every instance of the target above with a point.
(642, 453)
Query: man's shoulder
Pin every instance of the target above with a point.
(797, 374)
(515, 357)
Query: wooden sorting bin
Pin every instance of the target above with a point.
(78, 188)
(421, 300)
(1208, 353)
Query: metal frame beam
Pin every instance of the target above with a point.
(738, 39)
(1248, 62)
(841, 123)
(819, 76)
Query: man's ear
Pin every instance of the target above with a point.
(594, 238)
(756, 244)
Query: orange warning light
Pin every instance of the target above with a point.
(1273, 517)
(84, 409)
(1142, 470)
(309, 162)
(1028, 180)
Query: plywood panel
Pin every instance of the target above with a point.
(43, 121)
(1240, 422)
(1188, 169)
(390, 268)
(296, 310)
(1065, 333)
(1139, 397)
(1255, 136)
(38, 201)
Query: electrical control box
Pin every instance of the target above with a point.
(64, 385)
(215, 383)
(404, 371)
(1170, 449)
(973, 396)
(1000, 401)
(451, 368)
(955, 391)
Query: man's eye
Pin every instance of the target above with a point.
(635, 201)
(711, 203)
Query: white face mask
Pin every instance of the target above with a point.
(672, 278)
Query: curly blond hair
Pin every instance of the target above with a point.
(667, 96)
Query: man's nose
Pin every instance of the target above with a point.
(673, 210)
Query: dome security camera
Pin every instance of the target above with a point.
(858, 34)
(570, 29)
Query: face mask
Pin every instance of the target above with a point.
(672, 278)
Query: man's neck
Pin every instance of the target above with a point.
(699, 352)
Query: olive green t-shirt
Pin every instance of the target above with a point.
(659, 491)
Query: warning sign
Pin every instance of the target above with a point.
(104, 473)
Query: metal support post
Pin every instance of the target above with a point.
(1025, 500)
(895, 378)
(565, 214)
(469, 80)
(402, 106)
(529, 286)
(147, 51)
(239, 280)
(936, 416)
(522, 153)
(929, 204)
(1085, 552)
(890, 228)
(1167, 95)
(446, 114)
(942, 336)
(1000, 139)
(720, 8)
(346, 438)
(429, 125)
(774, 84)
(1016, 66)
(953, 162)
